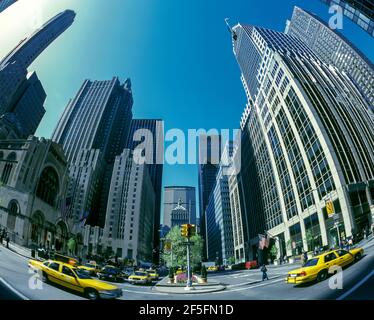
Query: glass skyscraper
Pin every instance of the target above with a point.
(5, 4)
(22, 93)
(333, 48)
(359, 11)
(310, 140)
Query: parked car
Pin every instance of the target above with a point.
(111, 273)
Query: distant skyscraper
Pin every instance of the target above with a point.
(310, 141)
(172, 195)
(332, 48)
(98, 118)
(209, 158)
(5, 4)
(360, 12)
(156, 128)
(179, 215)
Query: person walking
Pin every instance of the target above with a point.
(1, 236)
(7, 241)
(264, 272)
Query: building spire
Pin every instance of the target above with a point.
(230, 29)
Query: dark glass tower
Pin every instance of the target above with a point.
(209, 158)
(5, 4)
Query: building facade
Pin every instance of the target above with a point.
(148, 135)
(219, 233)
(33, 184)
(333, 48)
(128, 231)
(96, 120)
(209, 159)
(179, 215)
(310, 142)
(360, 12)
(172, 195)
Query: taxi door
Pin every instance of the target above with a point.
(345, 258)
(330, 260)
(70, 280)
(53, 272)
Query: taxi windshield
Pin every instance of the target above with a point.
(141, 274)
(82, 274)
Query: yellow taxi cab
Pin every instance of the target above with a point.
(141, 277)
(69, 276)
(153, 274)
(179, 271)
(212, 268)
(92, 268)
(317, 268)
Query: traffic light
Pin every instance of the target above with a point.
(191, 230)
(184, 230)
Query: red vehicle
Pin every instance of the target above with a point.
(251, 264)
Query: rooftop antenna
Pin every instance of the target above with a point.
(232, 32)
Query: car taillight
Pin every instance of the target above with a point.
(302, 274)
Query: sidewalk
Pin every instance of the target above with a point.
(22, 251)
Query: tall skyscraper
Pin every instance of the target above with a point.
(5, 4)
(310, 143)
(20, 93)
(174, 195)
(155, 143)
(333, 48)
(219, 234)
(209, 158)
(98, 118)
(31, 47)
(360, 12)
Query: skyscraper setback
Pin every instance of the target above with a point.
(310, 141)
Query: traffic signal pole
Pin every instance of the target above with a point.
(189, 278)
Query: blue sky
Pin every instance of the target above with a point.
(178, 55)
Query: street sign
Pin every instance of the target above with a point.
(330, 208)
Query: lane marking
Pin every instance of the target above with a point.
(15, 291)
(356, 286)
(256, 286)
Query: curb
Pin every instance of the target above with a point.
(182, 291)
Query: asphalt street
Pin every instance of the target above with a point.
(358, 284)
